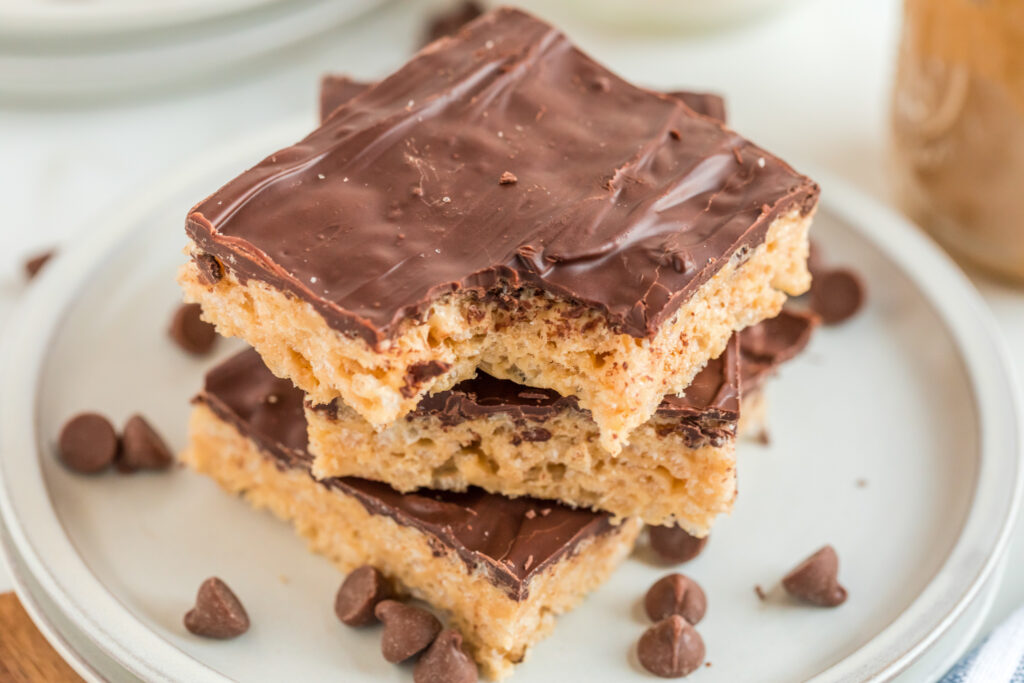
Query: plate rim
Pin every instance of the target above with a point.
(977, 339)
(999, 421)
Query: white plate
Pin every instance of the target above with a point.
(95, 666)
(913, 395)
(74, 646)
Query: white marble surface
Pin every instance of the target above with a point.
(811, 84)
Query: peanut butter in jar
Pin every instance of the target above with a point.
(958, 127)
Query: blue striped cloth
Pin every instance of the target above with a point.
(998, 659)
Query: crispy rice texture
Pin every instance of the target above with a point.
(498, 630)
(537, 340)
(660, 479)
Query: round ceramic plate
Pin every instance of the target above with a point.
(894, 438)
(95, 666)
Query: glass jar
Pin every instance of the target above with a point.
(958, 127)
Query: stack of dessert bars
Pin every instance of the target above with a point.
(495, 305)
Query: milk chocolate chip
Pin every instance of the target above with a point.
(218, 613)
(673, 544)
(676, 594)
(359, 595)
(142, 448)
(190, 331)
(88, 443)
(816, 579)
(672, 648)
(836, 295)
(445, 662)
(408, 630)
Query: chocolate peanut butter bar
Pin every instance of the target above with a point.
(679, 467)
(503, 203)
(502, 569)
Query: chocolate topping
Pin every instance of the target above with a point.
(708, 104)
(613, 183)
(509, 539)
(337, 89)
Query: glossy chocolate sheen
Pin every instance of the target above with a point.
(337, 89)
(511, 539)
(625, 201)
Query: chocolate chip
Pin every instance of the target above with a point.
(836, 295)
(88, 443)
(672, 648)
(210, 269)
(190, 331)
(36, 263)
(816, 579)
(218, 612)
(676, 594)
(359, 595)
(451, 21)
(445, 662)
(142, 448)
(673, 544)
(408, 630)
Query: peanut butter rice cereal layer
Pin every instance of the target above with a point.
(503, 203)
(679, 467)
(500, 569)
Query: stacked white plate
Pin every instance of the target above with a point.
(93, 48)
(894, 438)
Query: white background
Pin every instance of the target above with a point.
(811, 84)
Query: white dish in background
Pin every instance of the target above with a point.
(54, 57)
(63, 18)
(913, 396)
(658, 17)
